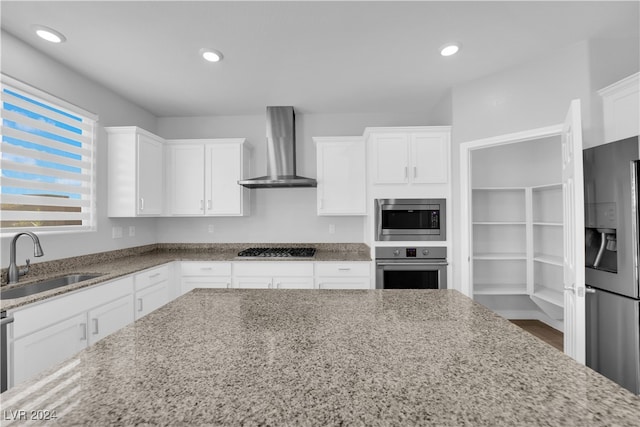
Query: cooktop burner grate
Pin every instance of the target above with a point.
(278, 252)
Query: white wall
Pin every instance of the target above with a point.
(525, 164)
(33, 67)
(278, 215)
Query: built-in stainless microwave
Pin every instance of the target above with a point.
(410, 219)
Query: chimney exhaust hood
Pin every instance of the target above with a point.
(281, 153)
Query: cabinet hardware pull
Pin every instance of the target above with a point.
(154, 275)
(406, 172)
(590, 290)
(141, 203)
(321, 203)
(344, 269)
(201, 205)
(415, 171)
(96, 331)
(83, 331)
(228, 285)
(139, 304)
(206, 268)
(209, 204)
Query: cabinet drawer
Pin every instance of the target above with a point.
(278, 268)
(151, 277)
(205, 268)
(347, 283)
(218, 282)
(53, 310)
(292, 283)
(343, 269)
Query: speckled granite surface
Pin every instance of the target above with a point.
(119, 263)
(323, 358)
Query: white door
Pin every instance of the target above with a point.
(186, 179)
(573, 216)
(223, 170)
(36, 352)
(110, 317)
(342, 178)
(429, 158)
(150, 176)
(391, 159)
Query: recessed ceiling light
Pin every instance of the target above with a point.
(211, 55)
(449, 49)
(49, 34)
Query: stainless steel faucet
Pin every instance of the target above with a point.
(14, 273)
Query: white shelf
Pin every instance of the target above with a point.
(500, 289)
(549, 259)
(499, 256)
(517, 237)
(549, 295)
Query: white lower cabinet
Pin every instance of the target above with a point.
(49, 332)
(35, 352)
(151, 290)
(293, 282)
(343, 275)
(108, 318)
(211, 275)
(273, 275)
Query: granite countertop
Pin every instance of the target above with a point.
(114, 264)
(318, 358)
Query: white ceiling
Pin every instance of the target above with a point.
(321, 57)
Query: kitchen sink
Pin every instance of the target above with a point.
(46, 285)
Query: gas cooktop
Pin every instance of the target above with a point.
(277, 253)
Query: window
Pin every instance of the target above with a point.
(47, 169)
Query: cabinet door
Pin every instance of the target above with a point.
(186, 179)
(344, 283)
(150, 176)
(223, 170)
(341, 177)
(293, 282)
(429, 158)
(40, 350)
(391, 158)
(252, 282)
(190, 283)
(151, 298)
(110, 317)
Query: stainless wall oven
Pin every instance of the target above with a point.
(410, 219)
(411, 268)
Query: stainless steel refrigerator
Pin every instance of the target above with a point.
(611, 256)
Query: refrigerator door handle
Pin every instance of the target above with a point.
(635, 219)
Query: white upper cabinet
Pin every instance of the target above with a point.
(185, 182)
(135, 172)
(341, 175)
(203, 177)
(412, 155)
(621, 105)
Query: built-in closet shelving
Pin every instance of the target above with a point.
(517, 242)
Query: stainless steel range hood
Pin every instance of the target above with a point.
(281, 153)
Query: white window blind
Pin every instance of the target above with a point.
(47, 166)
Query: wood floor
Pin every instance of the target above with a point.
(545, 332)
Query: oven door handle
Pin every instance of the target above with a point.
(413, 264)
